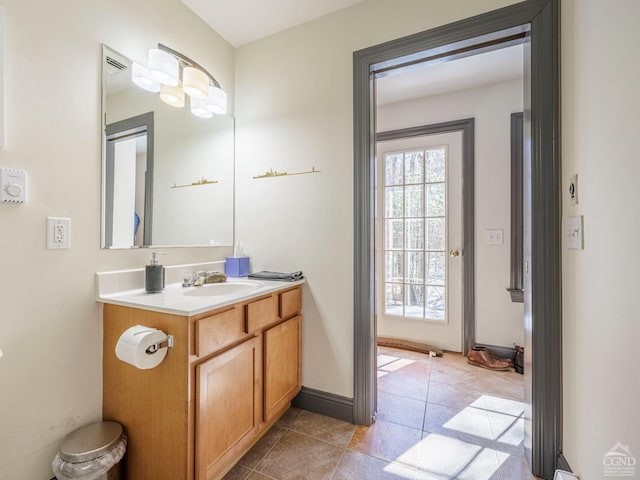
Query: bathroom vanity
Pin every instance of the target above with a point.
(233, 370)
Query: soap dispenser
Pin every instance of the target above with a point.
(154, 275)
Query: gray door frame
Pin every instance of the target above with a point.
(467, 127)
(540, 20)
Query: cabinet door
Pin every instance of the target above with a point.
(228, 396)
(282, 366)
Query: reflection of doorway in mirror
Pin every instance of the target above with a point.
(129, 166)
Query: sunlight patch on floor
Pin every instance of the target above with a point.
(446, 457)
(472, 421)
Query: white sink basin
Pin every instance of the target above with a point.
(225, 288)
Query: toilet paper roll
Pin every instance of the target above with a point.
(133, 344)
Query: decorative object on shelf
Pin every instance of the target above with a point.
(275, 173)
(173, 75)
(202, 181)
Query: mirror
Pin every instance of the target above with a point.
(167, 175)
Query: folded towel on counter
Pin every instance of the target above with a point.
(285, 277)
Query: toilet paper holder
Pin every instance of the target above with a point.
(167, 342)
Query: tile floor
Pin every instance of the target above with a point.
(438, 418)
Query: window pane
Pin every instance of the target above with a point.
(393, 266)
(393, 234)
(393, 202)
(435, 165)
(436, 268)
(436, 303)
(414, 301)
(393, 169)
(435, 233)
(414, 272)
(414, 167)
(393, 299)
(435, 200)
(414, 235)
(414, 201)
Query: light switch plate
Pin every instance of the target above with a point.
(494, 237)
(574, 234)
(573, 190)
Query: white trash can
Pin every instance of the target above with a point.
(92, 452)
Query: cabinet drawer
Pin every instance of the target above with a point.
(290, 302)
(262, 313)
(218, 330)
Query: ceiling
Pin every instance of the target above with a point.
(232, 20)
(476, 70)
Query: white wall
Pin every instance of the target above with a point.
(498, 320)
(294, 111)
(50, 328)
(601, 321)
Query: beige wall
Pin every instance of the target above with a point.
(294, 111)
(50, 329)
(498, 320)
(601, 324)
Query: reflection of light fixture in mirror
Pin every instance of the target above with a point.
(179, 75)
(142, 78)
(199, 108)
(173, 96)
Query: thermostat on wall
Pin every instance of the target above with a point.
(13, 185)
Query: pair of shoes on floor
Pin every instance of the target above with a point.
(486, 358)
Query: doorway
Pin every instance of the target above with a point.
(419, 286)
(537, 20)
(461, 135)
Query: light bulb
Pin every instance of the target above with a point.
(195, 82)
(199, 108)
(173, 96)
(141, 77)
(164, 67)
(216, 102)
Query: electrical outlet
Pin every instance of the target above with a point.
(494, 237)
(58, 233)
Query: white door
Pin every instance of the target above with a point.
(419, 239)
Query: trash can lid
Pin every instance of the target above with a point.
(90, 442)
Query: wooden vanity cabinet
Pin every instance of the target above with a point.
(232, 373)
(228, 410)
(282, 373)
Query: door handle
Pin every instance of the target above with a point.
(454, 253)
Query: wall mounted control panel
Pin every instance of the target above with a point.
(13, 185)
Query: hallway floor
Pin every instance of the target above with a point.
(438, 418)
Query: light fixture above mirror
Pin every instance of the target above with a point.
(173, 74)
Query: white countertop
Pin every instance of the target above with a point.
(187, 301)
